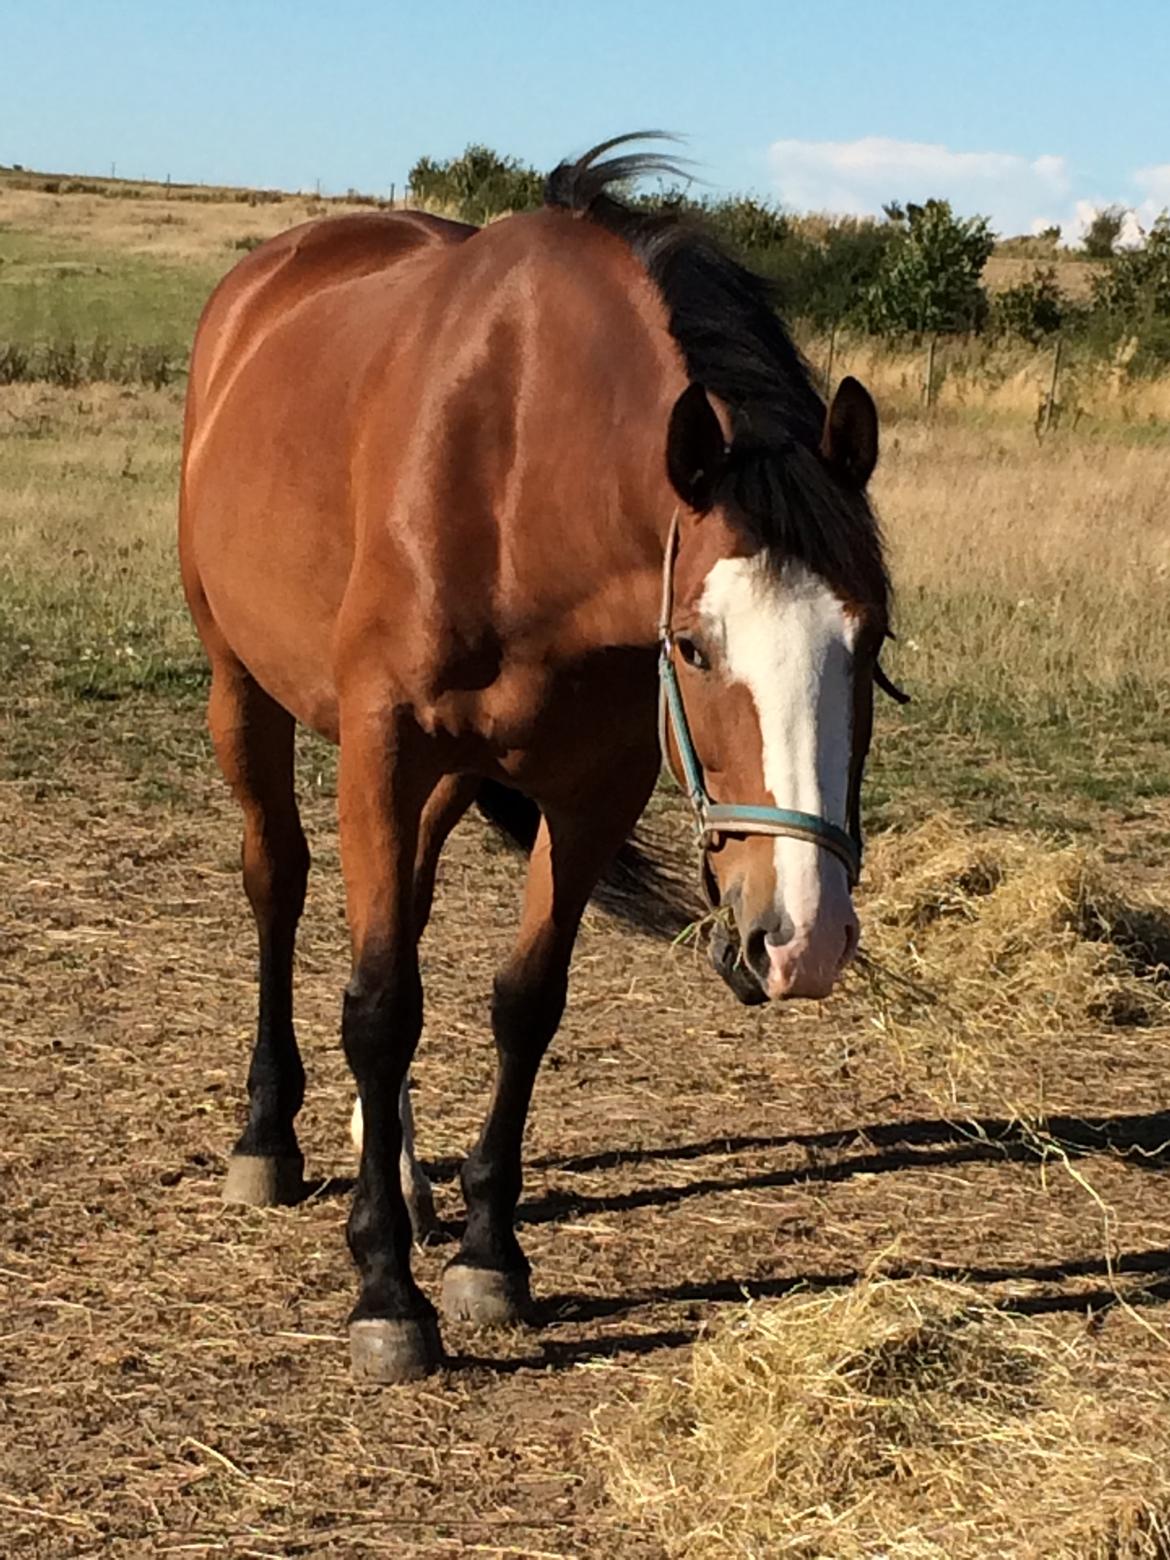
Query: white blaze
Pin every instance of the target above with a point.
(787, 637)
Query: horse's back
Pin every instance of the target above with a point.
(278, 349)
(286, 271)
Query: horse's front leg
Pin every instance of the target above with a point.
(487, 1281)
(384, 784)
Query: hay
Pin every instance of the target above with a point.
(905, 1418)
(978, 943)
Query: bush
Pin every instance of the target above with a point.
(842, 271)
(1103, 232)
(1032, 309)
(823, 271)
(929, 277)
(1132, 299)
(479, 185)
(751, 227)
(1136, 287)
(70, 364)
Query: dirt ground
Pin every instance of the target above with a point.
(173, 1373)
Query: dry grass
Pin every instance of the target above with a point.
(1009, 267)
(982, 944)
(1000, 380)
(156, 227)
(910, 1419)
(1033, 591)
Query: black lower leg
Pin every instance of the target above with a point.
(276, 1076)
(525, 1015)
(380, 1029)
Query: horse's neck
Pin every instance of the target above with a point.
(604, 587)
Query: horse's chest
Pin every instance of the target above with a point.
(535, 711)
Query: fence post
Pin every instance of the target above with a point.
(1054, 384)
(829, 364)
(928, 387)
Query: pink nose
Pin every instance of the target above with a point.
(809, 963)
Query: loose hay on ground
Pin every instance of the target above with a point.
(907, 1418)
(977, 943)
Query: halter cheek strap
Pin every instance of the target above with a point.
(715, 818)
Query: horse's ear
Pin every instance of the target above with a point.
(849, 443)
(695, 449)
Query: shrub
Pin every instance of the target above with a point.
(14, 363)
(479, 184)
(70, 364)
(1132, 299)
(1103, 232)
(1032, 309)
(929, 277)
(842, 270)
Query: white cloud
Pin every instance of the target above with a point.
(859, 176)
(1016, 192)
(1154, 184)
(1132, 235)
(1082, 216)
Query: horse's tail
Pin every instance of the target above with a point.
(639, 885)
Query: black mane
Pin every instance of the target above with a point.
(726, 322)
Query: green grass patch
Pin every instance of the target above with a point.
(56, 291)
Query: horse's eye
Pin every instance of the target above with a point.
(693, 656)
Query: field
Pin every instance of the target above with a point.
(942, 1188)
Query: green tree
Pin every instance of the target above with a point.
(1132, 298)
(1104, 230)
(844, 268)
(930, 274)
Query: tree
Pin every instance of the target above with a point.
(929, 277)
(1132, 298)
(1104, 230)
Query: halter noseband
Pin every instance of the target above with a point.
(715, 818)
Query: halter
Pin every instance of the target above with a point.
(715, 818)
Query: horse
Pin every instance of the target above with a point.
(472, 503)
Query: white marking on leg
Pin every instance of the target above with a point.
(416, 1188)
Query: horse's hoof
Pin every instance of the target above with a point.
(387, 1352)
(265, 1180)
(484, 1296)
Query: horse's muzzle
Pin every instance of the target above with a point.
(776, 965)
(727, 960)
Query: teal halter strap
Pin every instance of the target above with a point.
(715, 818)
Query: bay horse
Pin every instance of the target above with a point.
(450, 498)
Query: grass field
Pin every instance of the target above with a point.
(983, 1106)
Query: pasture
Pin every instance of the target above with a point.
(884, 1274)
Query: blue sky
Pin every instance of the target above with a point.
(1021, 110)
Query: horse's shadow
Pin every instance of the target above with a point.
(927, 1143)
(563, 1354)
(883, 1147)
(889, 1145)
